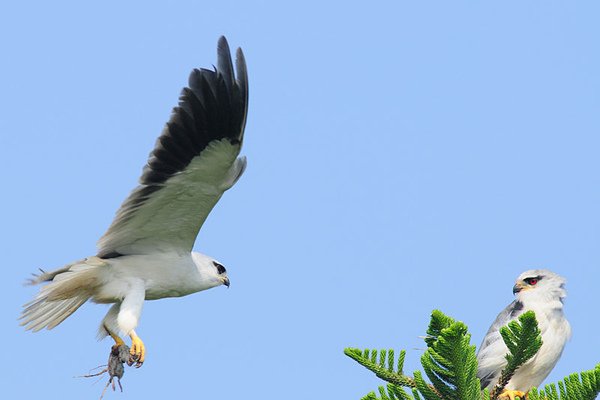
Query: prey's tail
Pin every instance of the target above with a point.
(68, 288)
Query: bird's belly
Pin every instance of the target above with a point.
(529, 375)
(156, 292)
(171, 285)
(533, 373)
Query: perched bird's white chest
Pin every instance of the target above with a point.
(555, 331)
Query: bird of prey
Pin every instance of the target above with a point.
(146, 254)
(543, 292)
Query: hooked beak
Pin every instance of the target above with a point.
(226, 282)
(517, 288)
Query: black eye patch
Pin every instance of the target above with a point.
(220, 269)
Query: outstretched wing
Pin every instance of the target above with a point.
(491, 355)
(193, 162)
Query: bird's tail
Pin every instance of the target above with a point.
(68, 288)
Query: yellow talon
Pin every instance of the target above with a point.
(511, 394)
(115, 337)
(137, 350)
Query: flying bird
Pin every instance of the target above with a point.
(146, 254)
(543, 292)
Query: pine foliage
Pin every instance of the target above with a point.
(450, 364)
(583, 386)
(449, 360)
(382, 364)
(523, 339)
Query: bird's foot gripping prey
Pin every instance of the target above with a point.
(119, 354)
(543, 292)
(146, 254)
(137, 351)
(512, 394)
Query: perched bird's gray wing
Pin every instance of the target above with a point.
(491, 355)
(193, 162)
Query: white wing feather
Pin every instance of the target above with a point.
(193, 163)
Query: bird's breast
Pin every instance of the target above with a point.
(163, 275)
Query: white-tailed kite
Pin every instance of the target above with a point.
(146, 254)
(543, 292)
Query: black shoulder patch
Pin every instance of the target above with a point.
(517, 306)
(112, 254)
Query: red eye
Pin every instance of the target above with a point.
(532, 281)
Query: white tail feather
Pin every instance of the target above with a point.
(69, 288)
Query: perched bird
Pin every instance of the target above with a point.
(146, 254)
(543, 292)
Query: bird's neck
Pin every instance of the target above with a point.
(543, 306)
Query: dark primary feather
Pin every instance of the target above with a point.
(489, 378)
(213, 107)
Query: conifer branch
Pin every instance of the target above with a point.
(523, 339)
(451, 365)
(450, 361)
(582, 386)
(368, 359)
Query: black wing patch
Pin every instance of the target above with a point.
(213, 107)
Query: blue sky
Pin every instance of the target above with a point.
(402, 157)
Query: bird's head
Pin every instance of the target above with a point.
(540, 284)
(221, 273)
(211, 270)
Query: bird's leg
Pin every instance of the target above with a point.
(511, 394)
(137, 351)
(114, 336)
